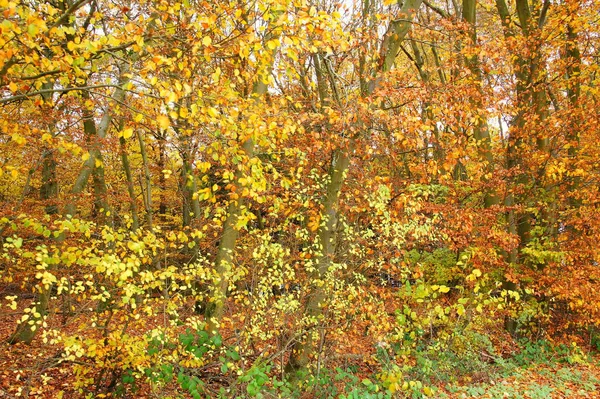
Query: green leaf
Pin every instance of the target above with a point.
(233, 355)
(217, 340)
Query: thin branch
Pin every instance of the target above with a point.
(41, 75)
(436, 9)
(19, 97)
(7, 66)
(543, 13)
(68, 13)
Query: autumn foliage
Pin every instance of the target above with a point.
(237, 197)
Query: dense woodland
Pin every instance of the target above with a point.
(277, 198)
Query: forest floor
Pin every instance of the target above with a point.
(536, 382)
(38, 371)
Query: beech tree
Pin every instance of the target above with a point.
(278, 186)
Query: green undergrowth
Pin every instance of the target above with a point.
(560, 381)
(217, 369)
(538, 370)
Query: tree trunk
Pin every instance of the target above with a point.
(162, 182)
(147, 180)
(481, 131)
(95, 135)
(49, 187)
(327, 237)
(396, 32)
(224, 260)
(101, 207)
(304, 349)
(573, 56)
(27, 329)
(190, 204)
(530, 96)
(130, 184)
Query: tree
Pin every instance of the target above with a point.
(292, 176)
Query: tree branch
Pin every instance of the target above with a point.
(19, 97)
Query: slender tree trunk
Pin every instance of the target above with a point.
(531, 103)
(162, 182)
(224, 260)
(514, 142)
(397, 30)
(49, 187)
(304, 349)
(481, 130)
(94, 162)
(439, 154)
(102, 208)
(573, 56)
(27, 187)
(327, 237)
(191, 205)
(27, 329)
(130, 184)
(147, 180)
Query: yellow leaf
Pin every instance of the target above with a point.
(17, 138)
(138, 118)
(127, 133)
(313, 223)
(207, 41)
(85, 156)
(212, 112)
(272, 44)
(163, 121)
(33, 29)
(204, 166)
